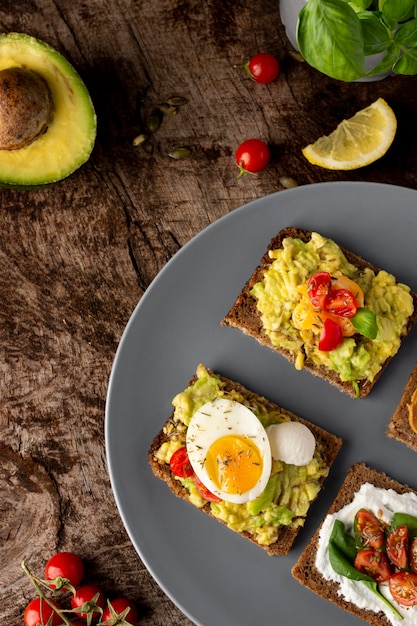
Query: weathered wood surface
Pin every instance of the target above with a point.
(76, 258)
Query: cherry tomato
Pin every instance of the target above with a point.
(204, 492)
(403, 588)
(263, 68)
(331, 336)
(413, 555)
(369, 529)
(119, 605)
(397, 547)
(180, 463)
(341, 302)
(318, 287)
(39, 612)
(252, 156)
(85, 595)
(65, 565)
(374, 563)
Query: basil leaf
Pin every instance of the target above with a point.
(398, 10)
(364, 321)
(388, 60)
(337, 27)
(406, 34)
(407, 63)
(375, 33)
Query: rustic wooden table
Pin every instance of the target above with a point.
(76, 258)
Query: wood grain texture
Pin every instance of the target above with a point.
(75, 258)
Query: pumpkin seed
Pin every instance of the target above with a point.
(288, 182)
(177, 101)
(139, 139)
(180, 153)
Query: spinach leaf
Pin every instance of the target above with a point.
(337, 28)
(342, 552)
(404, 519)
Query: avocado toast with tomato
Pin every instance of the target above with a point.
(325, 309)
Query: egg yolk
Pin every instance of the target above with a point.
(234, 464)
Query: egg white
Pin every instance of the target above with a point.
(220, 418)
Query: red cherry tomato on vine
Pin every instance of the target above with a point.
(403, 588)
(341, 302)
(65, 565)
(180, 463)
(39, 612)
(252, 156)
(119, 605)
(263, 68)
(331, 336)
(397, 547)
(204, 492)
(85, 595)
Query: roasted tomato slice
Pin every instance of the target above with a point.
(204, 492)
(403, 588)
(318, 287)
(341, 302)
(368, 529)
(397, 547)
(331, 336)
(180, 463)
(374, 563)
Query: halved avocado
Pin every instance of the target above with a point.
(60, 121)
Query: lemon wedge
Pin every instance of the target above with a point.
(357, 141)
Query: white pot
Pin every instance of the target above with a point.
(289, 10)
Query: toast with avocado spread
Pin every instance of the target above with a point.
(403, 423)
(325, 309)
(273, 519)
(327, 564)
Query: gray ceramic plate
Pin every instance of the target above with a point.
(213, 575)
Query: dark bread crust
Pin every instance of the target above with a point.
(305, 570)
(399, 425)
(330, 445)
(244, 314)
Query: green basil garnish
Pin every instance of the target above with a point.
(364, 321)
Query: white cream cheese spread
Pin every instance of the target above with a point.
(384, 503)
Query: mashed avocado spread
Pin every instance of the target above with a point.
(278, 294)
(290, 489)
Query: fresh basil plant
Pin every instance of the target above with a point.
(336, 36)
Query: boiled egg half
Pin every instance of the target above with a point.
(229, 450)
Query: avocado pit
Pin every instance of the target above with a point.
(26, 107)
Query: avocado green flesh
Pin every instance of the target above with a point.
(290, 490)
(358, 358)
(70, 137)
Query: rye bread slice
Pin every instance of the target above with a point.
(305, 570)
(244, 314)
(329, 444)
(399, 425)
